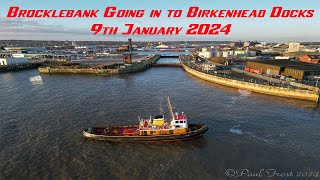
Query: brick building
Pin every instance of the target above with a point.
(310, 59)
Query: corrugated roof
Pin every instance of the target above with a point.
(291, 64)
(314, 56)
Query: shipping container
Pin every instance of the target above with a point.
(256, 71)
(88, 58)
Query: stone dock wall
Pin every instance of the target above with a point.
(136, 67)
(259, 88)
(8, 68)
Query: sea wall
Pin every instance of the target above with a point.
(75, 70)
(135, 67)
(274, 80)
(259, 88)
(7, 68)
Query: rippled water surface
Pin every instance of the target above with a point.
(41, 123)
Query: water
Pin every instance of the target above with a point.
(41, 128)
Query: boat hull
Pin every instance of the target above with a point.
(196, 130)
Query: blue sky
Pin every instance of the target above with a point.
(266, 29)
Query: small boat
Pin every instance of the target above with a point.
(152, 129)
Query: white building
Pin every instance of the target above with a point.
(18, 55)
(240, 52)
(294, 47)
(206, 53)
(204, 50)
(162, 46)
(282, 57)
(3, 62)
(226, 54)
(16, 61)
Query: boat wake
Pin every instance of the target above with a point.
(236, 130)
(36, 80)
(274, 139)
(244, 93)
(270, 141)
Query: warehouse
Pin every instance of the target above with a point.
(271, 67)
(296, 70)
(302, 73)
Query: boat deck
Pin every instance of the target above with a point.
(116, 130)
(130, 134)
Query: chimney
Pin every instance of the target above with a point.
(130, 45)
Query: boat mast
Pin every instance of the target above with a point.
(170, 108)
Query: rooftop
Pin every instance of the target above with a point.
(291, 64)
(314, 56)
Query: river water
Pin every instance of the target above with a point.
(42, 119)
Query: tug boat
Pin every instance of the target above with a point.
(152, 129)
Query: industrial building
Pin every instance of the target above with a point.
(206, 53)
(302, 72)
(296, 70)
(237, 53)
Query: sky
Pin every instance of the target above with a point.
(265, 29)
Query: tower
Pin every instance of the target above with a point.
(127, 57)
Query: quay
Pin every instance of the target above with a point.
(19, 67)
(305, 94)
(116, 68)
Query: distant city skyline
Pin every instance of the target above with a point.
(265, 29)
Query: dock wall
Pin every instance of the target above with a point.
(8, 68)
(136, 67)
(259, 88)
(274, 80)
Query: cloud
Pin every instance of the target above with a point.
(31, 29)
